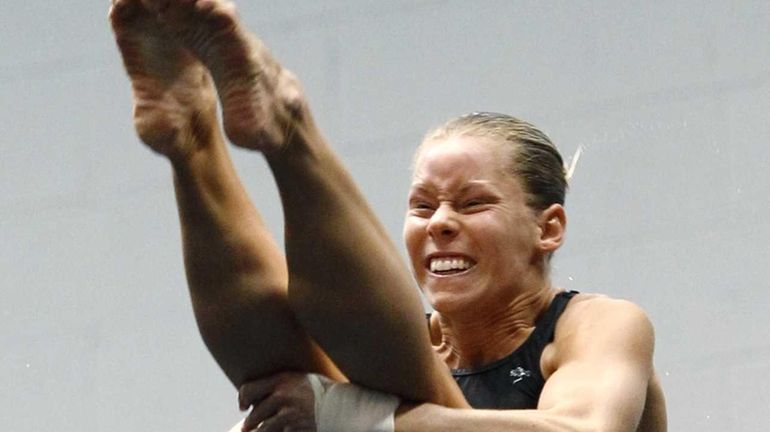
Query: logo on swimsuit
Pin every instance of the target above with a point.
(519, 374)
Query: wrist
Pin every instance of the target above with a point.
(345, 407)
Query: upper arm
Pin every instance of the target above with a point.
(603, 364)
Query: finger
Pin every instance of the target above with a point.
(261, 412)
(276, 423)
(252, 392)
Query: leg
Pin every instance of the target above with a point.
(236, 274)
(347, 283)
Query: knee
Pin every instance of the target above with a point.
(306, 302)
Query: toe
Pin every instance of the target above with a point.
(156, 6)
(126, 11)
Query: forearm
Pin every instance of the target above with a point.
(435, 418)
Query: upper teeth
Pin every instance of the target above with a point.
(444, 264)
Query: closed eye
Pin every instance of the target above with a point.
(421, 208)
(475, 204)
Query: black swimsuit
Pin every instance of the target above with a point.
(514, 382)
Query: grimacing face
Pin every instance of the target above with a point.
(470, 235)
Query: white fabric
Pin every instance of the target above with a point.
(238, 427)
(343, 407)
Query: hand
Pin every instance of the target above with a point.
(281, 402)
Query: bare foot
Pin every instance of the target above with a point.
(174, 99)
(261, 101)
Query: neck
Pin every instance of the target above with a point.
(493, 332)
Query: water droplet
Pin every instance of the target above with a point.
(570, 278)
(28, 365)
(667, 374)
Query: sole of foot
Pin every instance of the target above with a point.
(174, 99)
(259, 99)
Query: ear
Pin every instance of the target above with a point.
(552, 223)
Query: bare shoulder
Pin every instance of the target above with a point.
(604, 347)
(597, 325)
(590, 310)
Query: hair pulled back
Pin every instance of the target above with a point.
(535, 160)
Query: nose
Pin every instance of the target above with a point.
(443, 223)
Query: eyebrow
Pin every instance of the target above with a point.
(425, 187)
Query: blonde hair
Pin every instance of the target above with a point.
(535, 160)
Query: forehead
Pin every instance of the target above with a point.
(460, 157)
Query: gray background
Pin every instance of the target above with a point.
(667, 208)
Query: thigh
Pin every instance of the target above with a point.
(348, 284)
(237, 275)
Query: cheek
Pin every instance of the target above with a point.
(413, 238)
(491, 230)
(502, 236)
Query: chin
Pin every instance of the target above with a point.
(447, 303)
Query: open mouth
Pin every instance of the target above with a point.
(449, 265)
